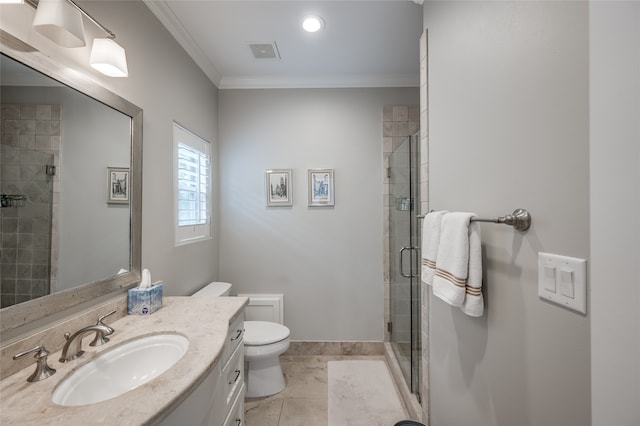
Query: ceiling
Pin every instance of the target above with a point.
(364, 43)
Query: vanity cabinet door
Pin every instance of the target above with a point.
(202, 407)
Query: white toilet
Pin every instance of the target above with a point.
(264, 342)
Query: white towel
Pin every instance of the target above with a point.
(474, 302)
(431, 226)
(458, 275)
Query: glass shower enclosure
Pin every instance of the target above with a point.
(405, 282)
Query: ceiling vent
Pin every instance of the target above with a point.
(265, 50)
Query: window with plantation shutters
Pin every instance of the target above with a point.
(192, 168)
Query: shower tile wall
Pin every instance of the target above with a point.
(399, 122)
(30, 140)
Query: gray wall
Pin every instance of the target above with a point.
(508, 128)
(615, 242)
(326, 261)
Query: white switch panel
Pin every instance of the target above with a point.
(563, 280)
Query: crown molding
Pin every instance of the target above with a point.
(165, 15)
(319, 82)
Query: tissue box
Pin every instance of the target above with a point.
(145, 301)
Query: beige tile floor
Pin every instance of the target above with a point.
(304, 402)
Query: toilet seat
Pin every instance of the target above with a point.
(260, 333)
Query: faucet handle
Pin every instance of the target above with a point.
(102, 338)
(42, 368)
(100, 319)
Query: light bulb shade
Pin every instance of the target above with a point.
(109, 58)
(60, 22)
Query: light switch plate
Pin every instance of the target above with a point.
(565, 268)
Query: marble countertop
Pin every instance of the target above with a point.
(204, 320)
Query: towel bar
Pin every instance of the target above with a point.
(520, 219)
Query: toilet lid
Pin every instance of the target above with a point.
(258, 333)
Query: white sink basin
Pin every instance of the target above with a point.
(121, 369)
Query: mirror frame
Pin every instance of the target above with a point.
(25, 313)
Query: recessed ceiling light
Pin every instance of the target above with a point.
(313, 24)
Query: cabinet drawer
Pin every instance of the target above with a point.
(236, 413)
(232, 377)
(234, 338)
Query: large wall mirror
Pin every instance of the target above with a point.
(70, 181)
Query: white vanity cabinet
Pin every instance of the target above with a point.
(232, 384)
(219, 399)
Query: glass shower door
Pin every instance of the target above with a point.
(405, 259)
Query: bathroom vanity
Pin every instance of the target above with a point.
(205, 386)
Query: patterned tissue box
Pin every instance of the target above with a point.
(145, 301)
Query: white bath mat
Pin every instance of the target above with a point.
(361, 393)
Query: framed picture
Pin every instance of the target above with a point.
(118, 185)
(279, 187)
(321, 190)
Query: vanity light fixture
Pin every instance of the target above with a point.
(313, 23)
(109, 58)
(61, 22)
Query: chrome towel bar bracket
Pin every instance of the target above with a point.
(520, 219)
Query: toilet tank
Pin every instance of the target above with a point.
(217, 288)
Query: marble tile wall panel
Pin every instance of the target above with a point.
(29, 140)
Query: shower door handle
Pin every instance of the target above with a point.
(411, 275)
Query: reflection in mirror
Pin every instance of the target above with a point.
(58, 229)
(69, 233)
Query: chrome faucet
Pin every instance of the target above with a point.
(74, 341)
(101, 338)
